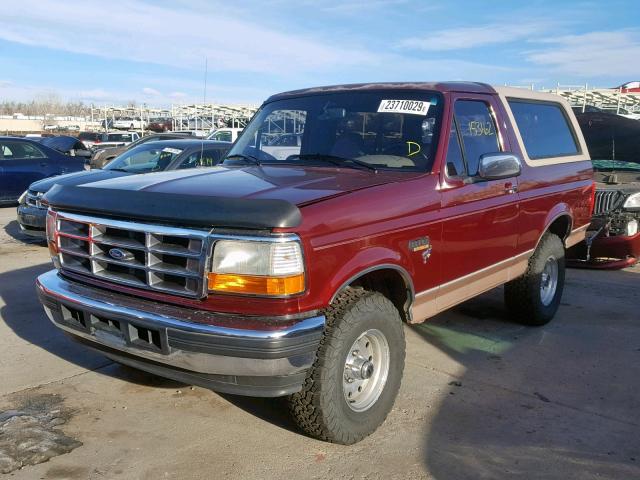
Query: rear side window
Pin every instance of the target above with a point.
(544, 129)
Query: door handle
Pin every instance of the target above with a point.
(510, 188)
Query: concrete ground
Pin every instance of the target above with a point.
(482, 398)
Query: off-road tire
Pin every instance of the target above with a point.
(320, 408)
(523, 295)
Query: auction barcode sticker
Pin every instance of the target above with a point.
(413, 107)
(175, 151)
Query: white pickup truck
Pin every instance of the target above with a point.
(136, 123)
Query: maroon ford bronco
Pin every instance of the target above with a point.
(290, 269)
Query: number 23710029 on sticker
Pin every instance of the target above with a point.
(414, 107)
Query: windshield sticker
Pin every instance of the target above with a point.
(175, 151)
(412, 107)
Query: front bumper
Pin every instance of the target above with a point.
(165, 340)
(620, 246)
(32, 220)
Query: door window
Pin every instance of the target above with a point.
(11, 150)
(455, 160)
(477, 130)
(6, 152)
(31, 151)
(223, 136)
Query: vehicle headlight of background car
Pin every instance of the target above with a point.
(270, 267)
(23, 197)
(632, 202)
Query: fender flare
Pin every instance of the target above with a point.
(383, 266)
(558, 211)
(371, 260)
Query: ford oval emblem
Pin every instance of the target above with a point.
(120, 254)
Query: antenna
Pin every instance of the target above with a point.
(204, 102)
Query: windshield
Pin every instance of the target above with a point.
(390, 129)
(147, 157)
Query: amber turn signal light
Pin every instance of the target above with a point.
(256, 284)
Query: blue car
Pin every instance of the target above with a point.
(23, 161)
(145, 158)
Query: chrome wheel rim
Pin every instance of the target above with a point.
(365, 370)
(549, 281)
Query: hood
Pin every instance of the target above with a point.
(294, 184)
(76, 178)
(252, 197)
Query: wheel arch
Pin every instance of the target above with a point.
(392, 280)
(559, 222)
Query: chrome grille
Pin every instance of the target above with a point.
(152, 257)
(606, 200)
(34, 199)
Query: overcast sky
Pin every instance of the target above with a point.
(154, 51)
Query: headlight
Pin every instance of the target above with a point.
(632, 202)
(257, 268)
(632, 227)
(23, 197)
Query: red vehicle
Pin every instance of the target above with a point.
(291, 274)
(629, 87)
(160, 125)
(613, 238)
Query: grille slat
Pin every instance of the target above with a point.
(146, 256)
(117, 242)
(606, 201)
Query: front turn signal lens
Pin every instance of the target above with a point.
(256, 284)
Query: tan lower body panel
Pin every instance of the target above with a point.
(576, 236)
(433, 301)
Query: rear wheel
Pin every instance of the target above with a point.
(534, 298)
(355, 379)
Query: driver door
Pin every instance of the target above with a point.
(480, 230)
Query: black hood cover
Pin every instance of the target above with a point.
(176, 208)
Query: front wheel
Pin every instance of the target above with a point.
(351, 387)
(534, 298)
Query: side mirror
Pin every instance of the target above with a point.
(495, 166)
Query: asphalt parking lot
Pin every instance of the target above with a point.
(482, 398)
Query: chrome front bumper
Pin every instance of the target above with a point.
(184, 344)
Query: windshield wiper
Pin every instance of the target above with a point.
(243, 156)
(336, 160)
